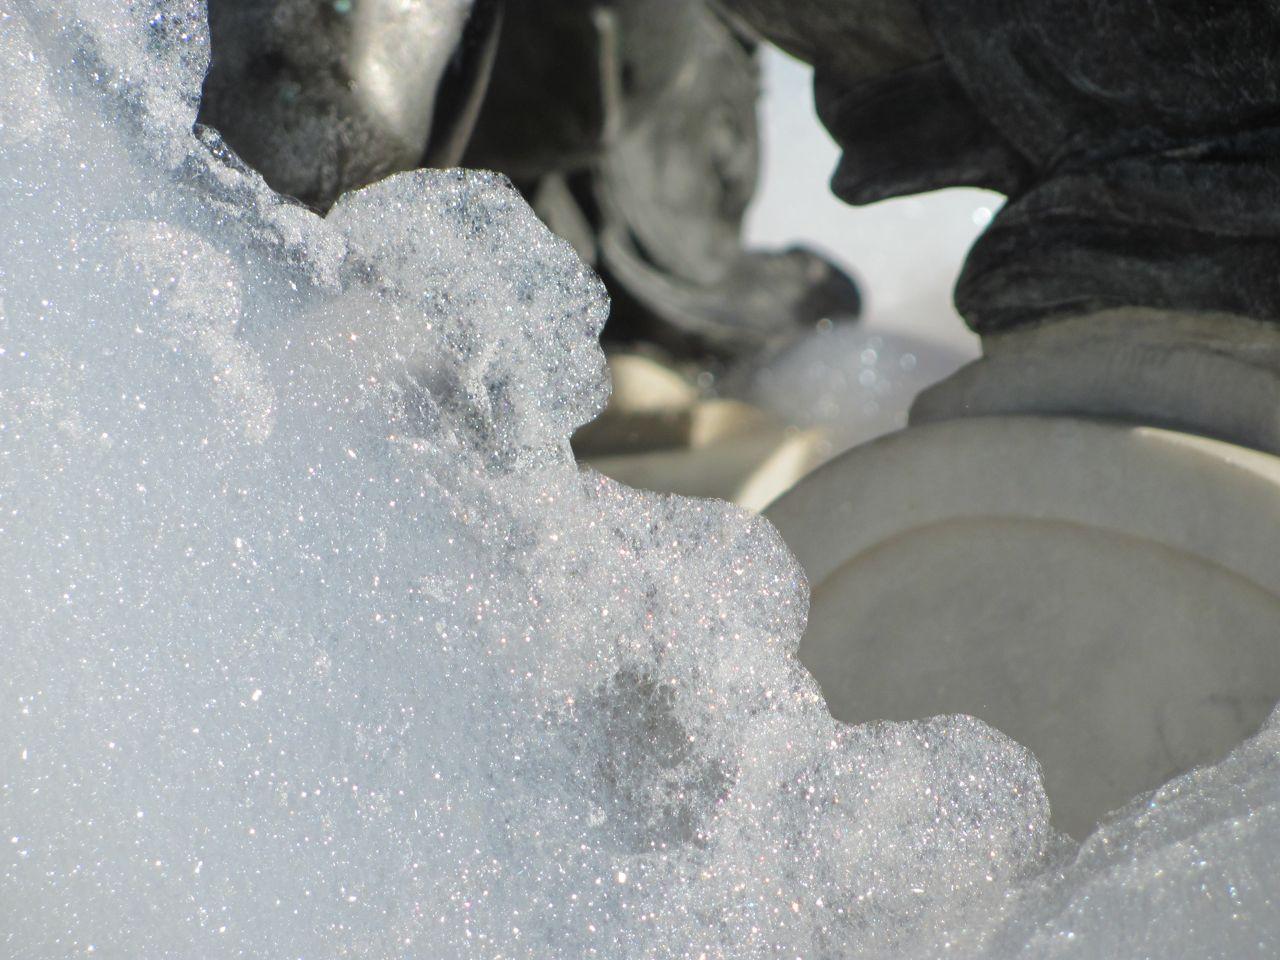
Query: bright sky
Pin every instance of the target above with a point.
(905, 253)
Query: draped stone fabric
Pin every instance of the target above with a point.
(563, 67)
(1138, 141)
(631, 126)
(850, 41)
(1152, 128)
(1071, 80)
(886, 93)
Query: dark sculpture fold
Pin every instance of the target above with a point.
(1133, 272)
(1137, 140)
(1151, 128)
(630, 126)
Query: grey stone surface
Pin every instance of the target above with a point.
(635, 132)
(1137, 140)
(629, 124)
(1151, 131)
(883, 89)
(1215, 375)
(325, 97)
(848, 41)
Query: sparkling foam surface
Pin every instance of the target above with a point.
(317, 643)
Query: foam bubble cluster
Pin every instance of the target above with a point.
(318, 644)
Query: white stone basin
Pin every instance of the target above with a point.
(1107, 595)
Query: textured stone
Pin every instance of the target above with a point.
(1211, 374)
(1136, 140)
(326, 97)
(631, 124)
(848, 41)
(1151, 131)
(884, 91)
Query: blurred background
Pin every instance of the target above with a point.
(858, 381)
(759, 326)
(838, 384)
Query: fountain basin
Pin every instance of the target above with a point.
(1107, 595)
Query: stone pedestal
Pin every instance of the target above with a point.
(1107, 595)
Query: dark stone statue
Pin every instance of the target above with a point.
(1155, 174)
(1133, 273)
(1136, 140)
(629, 124)
(322, 97)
